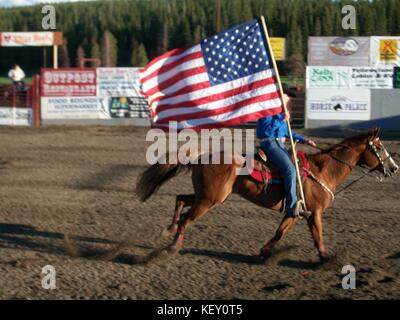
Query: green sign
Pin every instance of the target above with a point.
(396, 78)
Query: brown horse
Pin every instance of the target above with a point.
(213, 183)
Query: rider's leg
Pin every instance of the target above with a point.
(280, 157)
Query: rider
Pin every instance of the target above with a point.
(273, 131)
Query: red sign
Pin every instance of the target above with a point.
(68, 82)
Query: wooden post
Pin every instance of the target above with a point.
(264, 25)
(55, 56)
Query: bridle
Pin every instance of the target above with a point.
(375, 151)
(378, 155)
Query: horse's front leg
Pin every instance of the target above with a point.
(316, 227)
(286, 224)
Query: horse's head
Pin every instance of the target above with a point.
(376, 156)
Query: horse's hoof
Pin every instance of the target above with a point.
(264, 256)
(324, 259)
(169, 232)
(172, 250)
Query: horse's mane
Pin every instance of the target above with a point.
(348, 143)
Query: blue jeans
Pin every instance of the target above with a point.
(278, 154)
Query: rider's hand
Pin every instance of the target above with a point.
(286, 101)
(311, 143)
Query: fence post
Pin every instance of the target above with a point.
(36, 121)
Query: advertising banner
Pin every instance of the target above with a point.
(327, 77)
(385, 51)
(338, 51)
(278, 48)
(15, 116)
(68, 82)
(75, 108)
(118, 82)
(35, 39)
(343, 104)
(350, 77)
(396, 78)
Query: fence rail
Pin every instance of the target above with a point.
(13, 97)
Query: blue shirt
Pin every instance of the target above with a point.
(275, 127)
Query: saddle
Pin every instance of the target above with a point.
(266, 172)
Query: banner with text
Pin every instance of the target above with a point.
(338, 51)
(15, 116)
(343, 104)
(349, 77)
(63, 82)
(34, 39)
(278, 46)
(75, 108)
(385, 51)
(396, 78)
(118, 82)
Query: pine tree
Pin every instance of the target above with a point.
(139, 55)
(109, 50)
(80, 54)
(64, 55)
(95, 52)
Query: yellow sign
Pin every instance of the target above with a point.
(388, 50)
(278, 48)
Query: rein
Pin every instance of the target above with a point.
(365, 173)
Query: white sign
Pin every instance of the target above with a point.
(350, 77)
(343, 104)
(385, 51)
(118, 82)
(15, 116)
(327, 77)
(75, 108)
(19, 39)
(338, 51)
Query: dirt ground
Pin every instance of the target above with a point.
(79, 182)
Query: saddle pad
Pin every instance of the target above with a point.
(275, 177)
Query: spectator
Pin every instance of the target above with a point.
(16, 74)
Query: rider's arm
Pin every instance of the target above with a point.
(299, 137)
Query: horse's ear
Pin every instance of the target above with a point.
(374, 133)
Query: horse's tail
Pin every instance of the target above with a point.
(155, 176)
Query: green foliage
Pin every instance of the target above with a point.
(109, 29)
(139, 56)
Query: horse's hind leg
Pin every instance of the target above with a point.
(182, 201)
(195, 212)
(286, 224)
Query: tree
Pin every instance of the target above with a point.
(109, 50)
(95, 52)
(139, 55)
(296, 65)
(64, 55)
(80, 54)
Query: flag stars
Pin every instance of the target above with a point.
(234, 54)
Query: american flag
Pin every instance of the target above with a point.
(225, 80)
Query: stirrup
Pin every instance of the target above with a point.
(300, 212)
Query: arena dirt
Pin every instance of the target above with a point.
(69, 188)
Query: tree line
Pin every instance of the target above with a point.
(131, 32)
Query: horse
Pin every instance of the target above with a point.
(213, 183)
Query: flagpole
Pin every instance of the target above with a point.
(264, 25)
